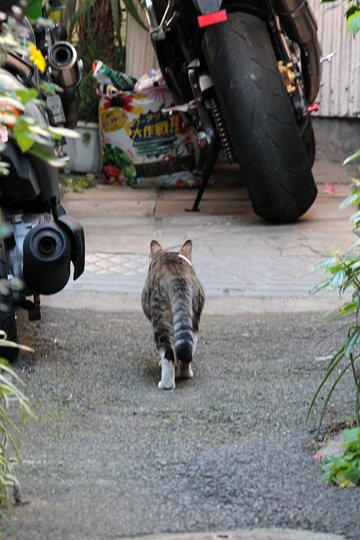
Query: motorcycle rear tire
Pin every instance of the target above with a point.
(259, 118)
(7, 314)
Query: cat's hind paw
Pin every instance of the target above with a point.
(184, 370)
(167, 375)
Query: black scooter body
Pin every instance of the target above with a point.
(41, 240)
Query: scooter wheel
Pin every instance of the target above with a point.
(274, 159)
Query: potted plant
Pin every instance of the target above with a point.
(95, 29)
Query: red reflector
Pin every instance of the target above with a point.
(212, 18)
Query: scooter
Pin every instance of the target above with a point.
(40, 240)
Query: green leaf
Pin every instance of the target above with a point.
(131, 9)
(50, 88)
(352, 435)
(27, 94)
(351, 10)
(24, 141)
(355, 218)
(354, 198)
(320, 286)
(344, 470)
(326, 263)
(332, 390)
(338, 279)
(354, 156)
(337, 268)
(64, 132)
(116, 15)
(84, 6)
(78, 183)
(352, 267)
(349, 308)
(41, 131)
(353, 23)
(353, 341)
(121, 160)
(47, 155)
(335, 360)
(21, 132)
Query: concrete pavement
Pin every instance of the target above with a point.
(103, 451)
(245, 264)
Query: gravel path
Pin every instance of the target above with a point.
(112, 456)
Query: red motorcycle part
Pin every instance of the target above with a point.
(212, 18)
(313, 108)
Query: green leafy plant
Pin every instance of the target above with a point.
(28, 134)
(120, 159)
(17, 122)
(15, 119)
(79, 182)
(11, 393)
(95, 28)
(343, 274)
(344, 471)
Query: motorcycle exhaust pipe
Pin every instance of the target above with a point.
(46, 258)
(300, 25)
(66, 73)
(62, 59)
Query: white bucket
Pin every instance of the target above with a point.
(85, 152)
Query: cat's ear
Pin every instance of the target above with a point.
(187, 249)
(155, 247)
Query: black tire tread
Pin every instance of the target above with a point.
(259, 118)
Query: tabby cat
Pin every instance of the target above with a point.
(173, 299)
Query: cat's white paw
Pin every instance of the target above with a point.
(167, 375)
(184, 370)
(164, 385)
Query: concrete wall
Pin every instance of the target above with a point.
(336, 138)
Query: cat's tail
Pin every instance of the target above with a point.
(183, 326)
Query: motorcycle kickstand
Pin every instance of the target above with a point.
(206, 173)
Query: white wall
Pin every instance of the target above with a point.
(339, 95)
(140, 55)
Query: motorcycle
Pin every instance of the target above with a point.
(41, 239)
(246, 75)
